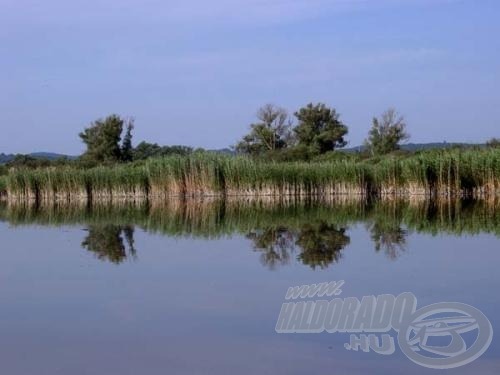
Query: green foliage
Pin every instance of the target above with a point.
(103, 138)
(26, 161)
(320, 128)
(145, 150)
(127, 148)
(290, 154)
(271, 133)
(3, 170)
(386, 133)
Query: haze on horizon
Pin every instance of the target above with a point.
(195, 72)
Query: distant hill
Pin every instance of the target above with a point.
(5, 158)
(50, 156)
(422, 146)
(224, 151)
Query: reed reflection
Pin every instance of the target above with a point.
(313, 233)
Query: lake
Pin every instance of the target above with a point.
(190, 287)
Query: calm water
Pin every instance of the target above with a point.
(196, 288)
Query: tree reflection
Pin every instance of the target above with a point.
(389, 237)
(319, 244)
(113, 243)
(311, 233)
(276, 245)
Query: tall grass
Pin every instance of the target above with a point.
(437, 173)
(3, 186)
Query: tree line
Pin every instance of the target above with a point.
(313, 131)
(318, 129)
(109, 140)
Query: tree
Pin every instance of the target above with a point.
(103, 138)
(145, 150)
(319, 128)
(271, 133)
(127, 148)
(387, 133)
(493, 143)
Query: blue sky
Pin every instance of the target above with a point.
(195, 72)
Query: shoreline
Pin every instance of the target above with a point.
(446, 174)
(399, 194)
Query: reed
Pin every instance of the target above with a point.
(3, 186)
(444, 173)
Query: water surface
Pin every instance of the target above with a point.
(196, 288)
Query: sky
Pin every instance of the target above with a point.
(195, 72)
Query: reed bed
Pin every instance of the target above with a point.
(469, 173)
(445, 173)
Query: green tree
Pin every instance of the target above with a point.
(127, 148)
(271, 133)
(319, 128)
(103, 138)
(387, 133)
(146, 150)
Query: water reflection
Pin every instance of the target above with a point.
(317, 245)
(276, 245)
(322, 244)
(387, 231)
(313, 233)
(389, 237)
(113, 243)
